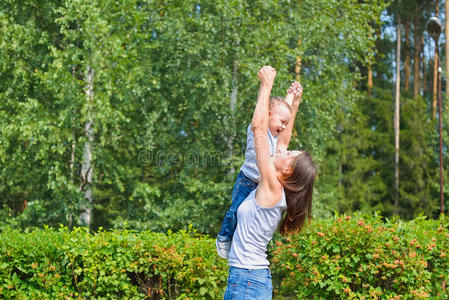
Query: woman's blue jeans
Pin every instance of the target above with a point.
(248, 284)
(243, 186)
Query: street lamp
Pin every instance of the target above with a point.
(434, 28)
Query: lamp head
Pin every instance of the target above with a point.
(433, 27)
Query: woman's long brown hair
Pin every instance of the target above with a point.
(298, 189)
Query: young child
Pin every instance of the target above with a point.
(279, 133)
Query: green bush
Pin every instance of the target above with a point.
(364, 258)
(58, 264)
(339, 258)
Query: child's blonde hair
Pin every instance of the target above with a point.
(274, 101)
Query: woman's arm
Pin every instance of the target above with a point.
(269, 187)
(293, 98)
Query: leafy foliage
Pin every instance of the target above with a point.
(363, 257)
(341, 257)
(109, 265)
(358, 172)
(174, 90)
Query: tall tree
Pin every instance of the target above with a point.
(424, 74)
(87, 164)
(396, 113)
(407, 55)
(417, 45)
(435, 70)
(446, 45)
(298, 63)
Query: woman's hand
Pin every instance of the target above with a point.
(266, 75)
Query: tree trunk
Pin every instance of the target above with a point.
(298, 63)
(87, 168)
(396, 116)
(298, 66)
(416, 55)
(233, 109)
(234, 86)
(298, 69)
(72, 158)
(446, 45)
(233, 97)
(434, 87)
(424, 64)
(370, 78)
(72, 175)
(435, 71)
(407, 56)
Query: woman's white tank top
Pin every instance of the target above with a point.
(255, 228)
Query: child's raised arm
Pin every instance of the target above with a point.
(293, 98)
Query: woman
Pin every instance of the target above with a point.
(286, 184)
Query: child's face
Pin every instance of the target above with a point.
(279, 118)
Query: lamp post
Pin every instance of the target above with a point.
(434, 28)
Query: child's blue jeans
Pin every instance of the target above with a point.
(243, 186)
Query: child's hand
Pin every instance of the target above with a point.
(266, 75)
(298, 91)
(292, 88)
(295, 89)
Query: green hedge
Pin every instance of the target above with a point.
(365, 258)
(51, 264)
(340, 258)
